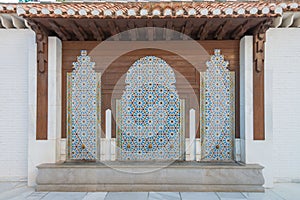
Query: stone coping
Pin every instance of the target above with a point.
(176, 164)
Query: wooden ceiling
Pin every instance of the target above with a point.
(84, 29)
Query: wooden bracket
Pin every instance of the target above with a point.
(259, 51)
(42, 80)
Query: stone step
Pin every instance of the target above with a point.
(144, 176)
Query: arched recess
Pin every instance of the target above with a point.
(113, 81)
(150, 113)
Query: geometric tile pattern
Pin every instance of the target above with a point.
(83, 110)
(217, 104)
(150, 112)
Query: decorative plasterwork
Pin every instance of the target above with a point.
(217, 110)
(150, 113)
(83, 109)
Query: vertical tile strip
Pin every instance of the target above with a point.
(84, 110)
(217, 110)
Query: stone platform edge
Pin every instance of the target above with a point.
(134, 177)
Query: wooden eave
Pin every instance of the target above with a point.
(203, 28)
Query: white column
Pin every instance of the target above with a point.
(108, 124)
(255, 151)
(192, 144)
(54, 94)
(246, 96)
(45, 151)
(108, 134)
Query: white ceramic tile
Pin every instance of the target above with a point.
(199, 196)
(95, 196)
(231, 196)
(127, 196)
(164, 196)
(65, 196)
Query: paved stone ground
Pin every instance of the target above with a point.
(19, 191)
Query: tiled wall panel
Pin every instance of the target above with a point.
(83, 109)
(217, 109)
(150, 112)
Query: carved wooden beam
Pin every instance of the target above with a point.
(42, 80)
(259, 50)
(258, 79)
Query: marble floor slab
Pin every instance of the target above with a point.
(95, 196)
(127, 195)
(65, 195)
(199, 196)
(231, 196)
(164, 195)
(19, 191)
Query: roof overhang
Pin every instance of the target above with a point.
(99, 21)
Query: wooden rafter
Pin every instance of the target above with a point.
(150, 32)
(240, 30)
(132, 30)
(222, 30)
(57, 29)
(200, 30)
(95, 31)
(169, 30)
(204, 31)
(114, 30)
(76, 31)
(187, 29)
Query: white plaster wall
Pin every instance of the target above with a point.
(14, 62)
(254, 151)
(283, 64)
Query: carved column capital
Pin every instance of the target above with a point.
(42, 45)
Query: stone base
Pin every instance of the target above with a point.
(139, 176)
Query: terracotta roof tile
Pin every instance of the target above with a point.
(150, 9)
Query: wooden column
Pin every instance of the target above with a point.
(42, 81)
(258, 80)
(258, 88)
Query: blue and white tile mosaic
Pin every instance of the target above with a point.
(150, 112)
(83, 110)
(217, 103)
